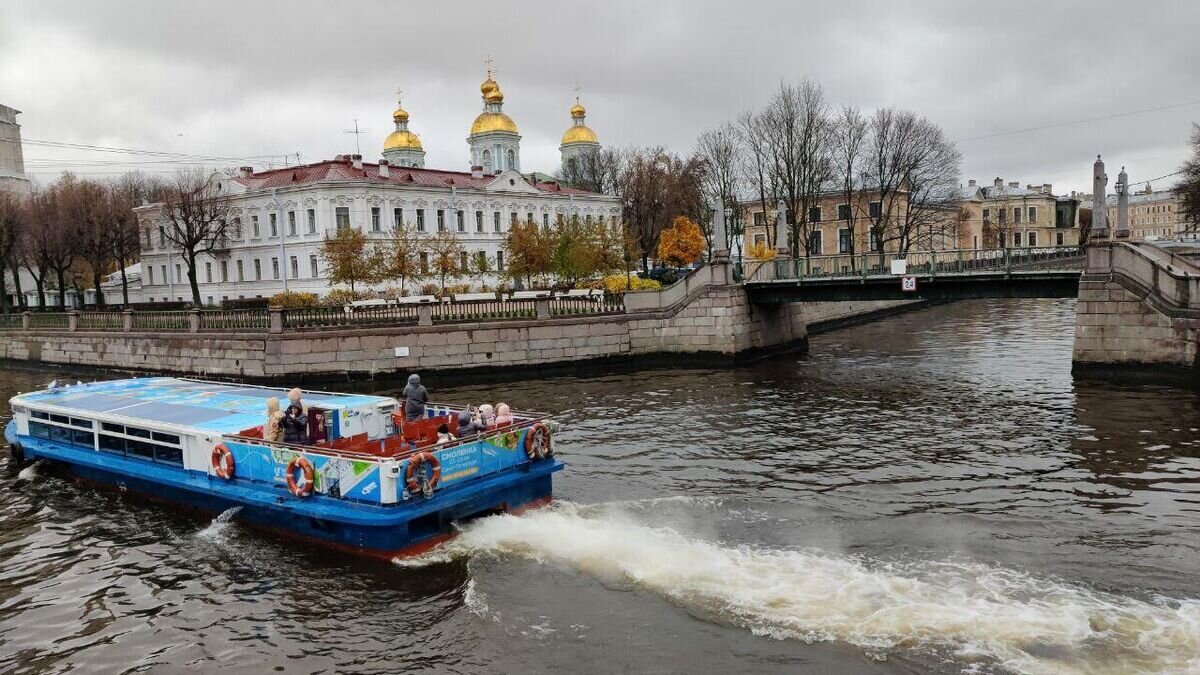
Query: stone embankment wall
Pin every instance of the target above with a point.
(1138, 304)
(705, 317)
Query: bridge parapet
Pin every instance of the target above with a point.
(1171, 278)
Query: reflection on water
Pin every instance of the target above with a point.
(931, 492)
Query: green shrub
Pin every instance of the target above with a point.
(291, 299)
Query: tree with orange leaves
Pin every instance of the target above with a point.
(682, 243)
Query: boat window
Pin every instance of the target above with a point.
(112, 444)
(168, 455)
(140, 433)
(166, 438)
(38, 414)
(39, 430)
(60, 435)
(84, 438)
(140, 449)
(85, 424)
(61, 419)
(109, 426)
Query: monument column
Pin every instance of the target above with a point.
(781, 242)
(1099, 200)
(1122, 231)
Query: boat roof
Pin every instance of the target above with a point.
(208, 406)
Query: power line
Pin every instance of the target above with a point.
(132, 151)
(1074, 122)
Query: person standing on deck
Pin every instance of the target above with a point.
(415, 397)
(273, 429)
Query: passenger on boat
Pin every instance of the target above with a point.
(466, 425)
(487, 416)
(444, 435)
(295, 425)
(504, 415)
(273, 429)
(415, 398)
(294, 399)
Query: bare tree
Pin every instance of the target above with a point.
(1188, 188)
(84, 210)
(850, 135)
(48, 247)
(194, 212)
(756, 167)
(799, 131)
(594, 170)
(124, 194)
(721, 150)
(12, 227)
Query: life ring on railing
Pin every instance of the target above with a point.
(222, 461)
(433, 476)
(304, 486)
(537, 442)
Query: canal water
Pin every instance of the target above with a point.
(930, 493)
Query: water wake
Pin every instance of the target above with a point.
(976, 611)
(217, 531)
(30, 472)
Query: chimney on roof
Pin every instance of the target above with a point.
(356, 161)
(245, 171)
(999, 183)
(341, 158)
(1047, 188)
(477, 172)
(384, 171)
(1014, 183)
(971, 183)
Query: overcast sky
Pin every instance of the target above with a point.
(244, 79)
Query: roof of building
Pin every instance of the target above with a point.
(209, 406)
(343, 170)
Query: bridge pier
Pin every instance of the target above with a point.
(1138, 305)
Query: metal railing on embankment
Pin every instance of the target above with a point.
(278, 320)
(922, 263)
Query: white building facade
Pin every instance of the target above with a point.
(279, 218)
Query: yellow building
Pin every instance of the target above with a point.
(1011, 216)
(1152, 215)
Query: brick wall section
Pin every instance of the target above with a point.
(1114, 325)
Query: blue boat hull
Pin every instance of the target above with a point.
(382, 531)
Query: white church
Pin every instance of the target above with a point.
(281, 216)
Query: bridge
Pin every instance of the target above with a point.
(927, 275)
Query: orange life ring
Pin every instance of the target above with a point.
(410, 474)
(222, 461)
(537, 442)
(300, 489)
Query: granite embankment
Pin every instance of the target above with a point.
(705, 317)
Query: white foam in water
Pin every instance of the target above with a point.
(216, 531)
(30, 472)
(977, 611)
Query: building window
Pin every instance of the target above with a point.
(420, 220)
(241, 267)
(876, 242)
(844, 240)
(499, 261)
(254, 231)
(814, 214)
(843, 212)
(341, 216)
(545, 221)
(274, 225)
(875, 209)
(151, 271)
(975, 242)
(208, 272)
(312, 221)
(424, 262)
(479, 221)
(496, 221)
(760, 219)
(1016, 238)
(987, 215)
(814, 242)
(1002, 241)
(178, 273)
(760, 239)
(162, 236)
(274, 268)
(291, 223)
(512, 218)
(464, 262)
(1016, 215)
(397, 218)
(295, 264)
(237, 228)
(461, 219)
(224, 270)
(1058, 239)
(441, 220)
(312, 266)
(1033, 214)
(375, 224)
(257, 269)
(530, 215)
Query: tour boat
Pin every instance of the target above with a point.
(366, 481)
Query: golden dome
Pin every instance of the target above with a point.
(402, 140)
(577, 109)
(490, 121)
(489, 85)
(401, 115)
(579, 134)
